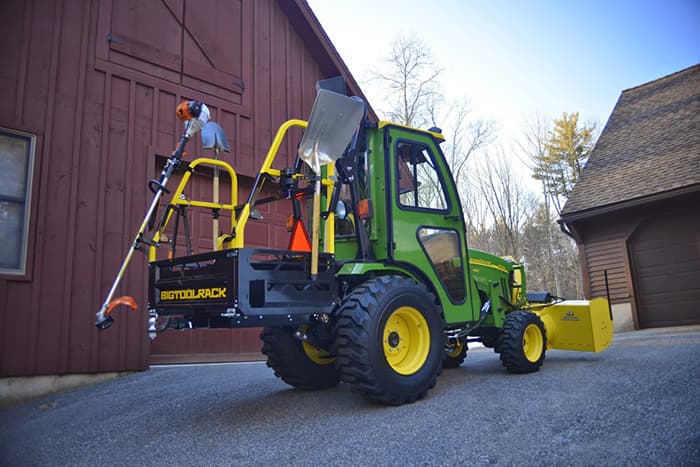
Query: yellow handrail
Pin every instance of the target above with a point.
(277, 142)
(329, 237)
(266, 168)
(238, 222)
(176, 201)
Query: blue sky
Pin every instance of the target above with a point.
(513, 59)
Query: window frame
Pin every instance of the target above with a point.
(434, 165)
(24, 271)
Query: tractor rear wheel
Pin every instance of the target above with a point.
(389, 340)
(455, 354)
(522, 342)
(297, 362)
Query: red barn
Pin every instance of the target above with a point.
(90, 89)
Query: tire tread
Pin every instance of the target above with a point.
(509, 343)
(290, 363)
(352, 341)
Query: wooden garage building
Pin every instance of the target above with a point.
(89, 90)
(635, 213)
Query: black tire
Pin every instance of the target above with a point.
(455, 356)
(294, 363)
(522, 342)
(389, 340)
(488, 341)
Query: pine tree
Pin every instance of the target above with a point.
(566, 151)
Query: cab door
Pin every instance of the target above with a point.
(425, 215)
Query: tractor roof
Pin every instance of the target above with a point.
(431, 132)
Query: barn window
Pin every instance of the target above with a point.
(16, 166)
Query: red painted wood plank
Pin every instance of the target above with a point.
(75, 39)
(42, 329)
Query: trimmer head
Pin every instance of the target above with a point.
(104, 320)
(104, 323)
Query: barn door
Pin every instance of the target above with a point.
(146, 36)
(204, 45)
(213, 44)
(181, 49)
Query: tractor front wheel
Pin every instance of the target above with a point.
(522, 342)
(455, 354)
(389, 340)
(297, 362)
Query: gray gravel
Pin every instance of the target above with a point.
(637, 403)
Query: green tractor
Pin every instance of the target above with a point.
(382, 292)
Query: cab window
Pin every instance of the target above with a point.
(418, 182)
(442, 248)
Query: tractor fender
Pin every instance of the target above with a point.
(369, 270)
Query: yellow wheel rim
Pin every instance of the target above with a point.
(406, 340)
(316, 355)
(533, 343)
(456, 350)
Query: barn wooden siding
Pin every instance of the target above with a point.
(97, 82)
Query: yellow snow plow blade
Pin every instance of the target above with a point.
(577, 325)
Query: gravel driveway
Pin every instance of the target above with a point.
(637, 403)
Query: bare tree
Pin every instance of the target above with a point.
(533, 142)
(410, 79)
(466, 136)
(507, 202)
(550, 256)
(539, 248)
(476, 220)
(555, 151)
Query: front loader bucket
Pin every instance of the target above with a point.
(577, 325)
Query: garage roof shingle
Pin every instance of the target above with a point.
(650, 145)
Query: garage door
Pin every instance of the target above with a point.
(665, 253)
